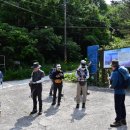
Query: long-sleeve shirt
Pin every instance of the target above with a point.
(57, 77)
(117, 82)
(82, 74)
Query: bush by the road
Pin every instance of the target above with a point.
(25, 72)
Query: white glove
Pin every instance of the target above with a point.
(34, 82)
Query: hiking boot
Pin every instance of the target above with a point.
(123, 122)
(116, 124)
(58, 104)
(83, 105)
(53, 103)
(33, 112)
(40, 113)
(77, 106)
(88, 93)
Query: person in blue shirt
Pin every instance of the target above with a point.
(117, 83)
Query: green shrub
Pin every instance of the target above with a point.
(70, 77)
(25, 72)
(17, 74)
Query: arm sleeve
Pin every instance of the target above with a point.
(87, 74)
(40, 81)
(114, 79)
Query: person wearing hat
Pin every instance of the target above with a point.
(57, 77)
(82, 75)
(117, 82)
(36, 87)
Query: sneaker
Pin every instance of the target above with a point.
(39, 113)
(116, 124)
(123, 122)
(53, 103)
(83, 105)
(77, 106)
(33, 112)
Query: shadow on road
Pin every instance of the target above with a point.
(51, 111)
(119, 128)
(24, 122)
(78, 114)
(48, 99)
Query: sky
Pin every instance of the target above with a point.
(108, 1)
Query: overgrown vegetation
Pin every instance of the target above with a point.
(33, 30)
(25, 72)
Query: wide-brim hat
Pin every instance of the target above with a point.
(115, 63)
(36, 65)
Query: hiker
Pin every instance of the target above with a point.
(36, 87)
(57, 77)
(50, 76)
(82, 75)
(118, 83)
(1, 77)
(87, 66)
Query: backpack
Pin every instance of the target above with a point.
(125, 74)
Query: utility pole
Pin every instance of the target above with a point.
(65, 46)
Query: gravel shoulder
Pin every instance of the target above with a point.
(99, 113)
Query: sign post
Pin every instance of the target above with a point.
(92, 53)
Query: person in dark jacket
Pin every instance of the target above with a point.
(117, 82)
(36, 87)
(57, 77)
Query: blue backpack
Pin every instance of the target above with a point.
(125, 74)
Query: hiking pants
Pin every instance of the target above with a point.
(36, 91)
(84, 94)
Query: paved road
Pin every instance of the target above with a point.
(16, 106)
(18, 83)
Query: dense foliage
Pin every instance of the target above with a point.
(33, 30)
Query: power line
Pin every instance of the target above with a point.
(25, 1)
(24, 9)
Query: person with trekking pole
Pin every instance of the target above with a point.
(36, 87)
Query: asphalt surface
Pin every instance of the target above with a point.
(16, 106)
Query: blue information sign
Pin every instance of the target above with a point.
(92, 53)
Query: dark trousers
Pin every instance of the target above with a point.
(36, 91)
(120, 107)
(59, 88)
